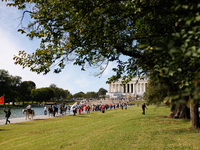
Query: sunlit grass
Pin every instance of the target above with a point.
(115, 129)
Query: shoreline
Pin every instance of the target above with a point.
(23, 119)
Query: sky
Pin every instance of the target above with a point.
(71, 78)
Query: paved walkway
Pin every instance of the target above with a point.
(18, 120)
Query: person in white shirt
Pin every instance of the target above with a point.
(45, 110)
(29, 108)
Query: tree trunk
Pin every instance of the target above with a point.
(194, 113)
(182, 112)
(13, 102)
(185, 112)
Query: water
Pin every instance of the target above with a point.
(17, 113)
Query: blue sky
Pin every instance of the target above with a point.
(71, 78)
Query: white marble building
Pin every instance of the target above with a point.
(136, 87)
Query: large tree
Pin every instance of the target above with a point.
(68, 95)
(25, 90)
(59, 92)
(42, 94)
(102, 92)
(9, 86)
(79, 95)
(91, 95)
(160, 38)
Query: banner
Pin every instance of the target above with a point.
(74, 105)
(82, 102)
(2, 99)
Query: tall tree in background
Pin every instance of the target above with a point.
(25, 90)
(102, 92)
(42, 94)
(79, 95)
(68, 95)
(160, 38)
(59, 92)
(91, 95)
(9, 86)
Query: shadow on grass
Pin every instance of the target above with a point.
(21, 123)
(3, 130)
(184, 120)
(38, 119)
(82, 116)
(182, 131)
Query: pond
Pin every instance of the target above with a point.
(17, 112)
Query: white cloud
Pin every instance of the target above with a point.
(83, 82)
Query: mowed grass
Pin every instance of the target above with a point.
(115, 129)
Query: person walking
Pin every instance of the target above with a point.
(80, 109)
(8, 113)
(45, 110)
(54, 109)
(103, 108)
(143, 108)
(74, 110)
(88, 109)
(125, 105)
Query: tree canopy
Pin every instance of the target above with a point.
(42, 94)
(25, 90)
(9, 86)
(59, 92)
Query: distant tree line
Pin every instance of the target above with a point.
(16, 90)
(91, 95)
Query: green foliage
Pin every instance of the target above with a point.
(25, 90)
(79, 95)
(68, 95)
(59, 92)
(42, 94)
(91, 95)
(9, 86)
(160, 38)
(155, 92)
(102, 91)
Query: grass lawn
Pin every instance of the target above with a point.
(116, 129)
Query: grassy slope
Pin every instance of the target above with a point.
(116, 129)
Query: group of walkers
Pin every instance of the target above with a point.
(53, 109)
(88, 108)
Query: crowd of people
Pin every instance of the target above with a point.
(86, 108)
(77, 108)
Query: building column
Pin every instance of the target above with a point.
(143, 87)
(136, 88)
(139, 87)
(119, 88)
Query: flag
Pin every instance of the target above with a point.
(82, 102)
(73, 105)
(2, 99)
